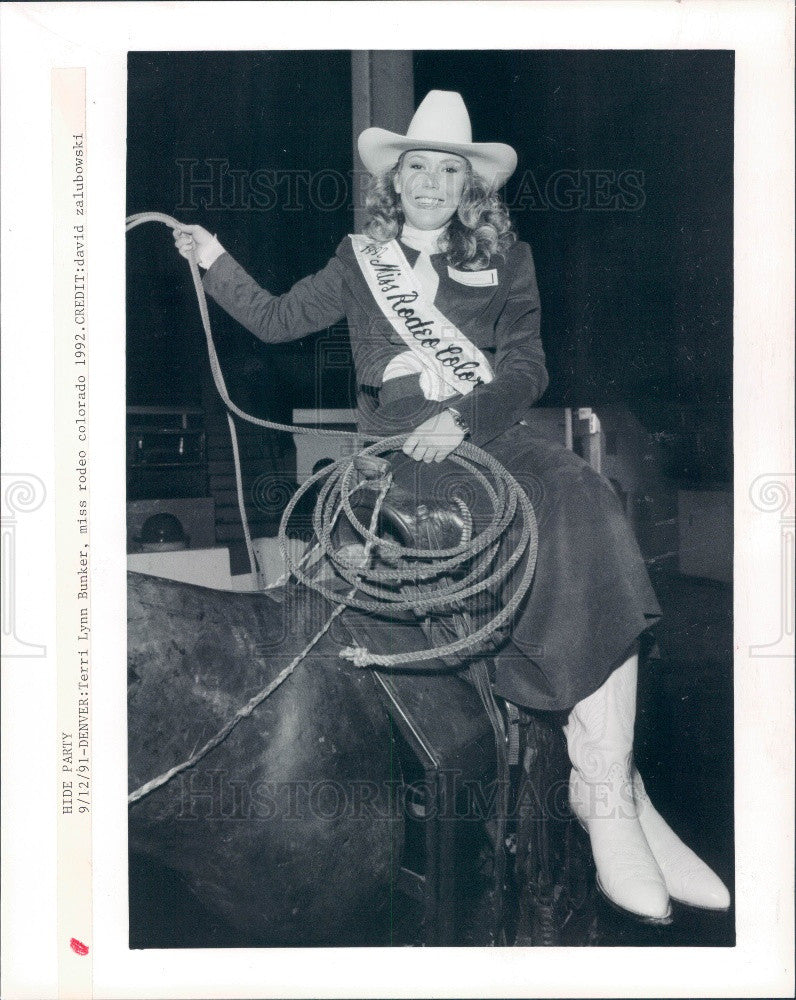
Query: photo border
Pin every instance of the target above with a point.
(39, 37)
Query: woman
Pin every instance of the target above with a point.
(443, 311)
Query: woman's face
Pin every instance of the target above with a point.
(430, 184)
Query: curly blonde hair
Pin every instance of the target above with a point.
(480, 229)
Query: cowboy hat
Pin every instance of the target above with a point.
(440, 123)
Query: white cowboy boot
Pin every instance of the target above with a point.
(688, 879)
(599, 736)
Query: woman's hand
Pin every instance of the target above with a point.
(435, 438)
(197, 240)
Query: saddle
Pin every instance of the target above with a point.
(424, 522)
(411, 521)
(525, 749)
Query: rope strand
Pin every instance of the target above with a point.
(139, 219)
(395, 587)
(252, 703)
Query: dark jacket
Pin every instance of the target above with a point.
(501, 319)
(591, 596)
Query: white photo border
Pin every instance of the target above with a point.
(98, 36)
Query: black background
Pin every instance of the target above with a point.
(636, 304)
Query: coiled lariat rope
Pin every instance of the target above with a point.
(458, 573)
(403, 578)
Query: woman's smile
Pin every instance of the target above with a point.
(428, 201)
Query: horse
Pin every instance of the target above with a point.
(294, 828)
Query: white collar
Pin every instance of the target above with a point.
(423, 240)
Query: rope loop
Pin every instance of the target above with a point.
(431, 579)
(422, 580)
(467, 569)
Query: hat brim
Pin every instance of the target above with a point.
(380, 150)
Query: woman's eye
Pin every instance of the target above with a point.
(415, 166)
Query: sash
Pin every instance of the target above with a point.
(447, 361)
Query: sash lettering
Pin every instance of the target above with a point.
(446, 360)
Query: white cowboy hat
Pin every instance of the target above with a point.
(440, 123)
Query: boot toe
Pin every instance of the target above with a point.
(688, 879)
(646, 899)
(704, 890)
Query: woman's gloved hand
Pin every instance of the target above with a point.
(435, 438)
(196, 239)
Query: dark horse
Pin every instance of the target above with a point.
(293, 829)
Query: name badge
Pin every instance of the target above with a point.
(475, 279)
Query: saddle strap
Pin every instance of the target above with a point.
(478, 672)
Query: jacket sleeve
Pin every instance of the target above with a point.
(520, 374)
(312, 304)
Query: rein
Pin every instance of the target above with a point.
(394, 584)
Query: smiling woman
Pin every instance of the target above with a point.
(443, 196)
(443, 311)
(430, 185)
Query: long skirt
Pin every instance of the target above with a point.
(591, 597)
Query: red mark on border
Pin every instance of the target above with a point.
(78, 947)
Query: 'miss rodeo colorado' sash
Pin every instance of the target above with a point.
(447, 362)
